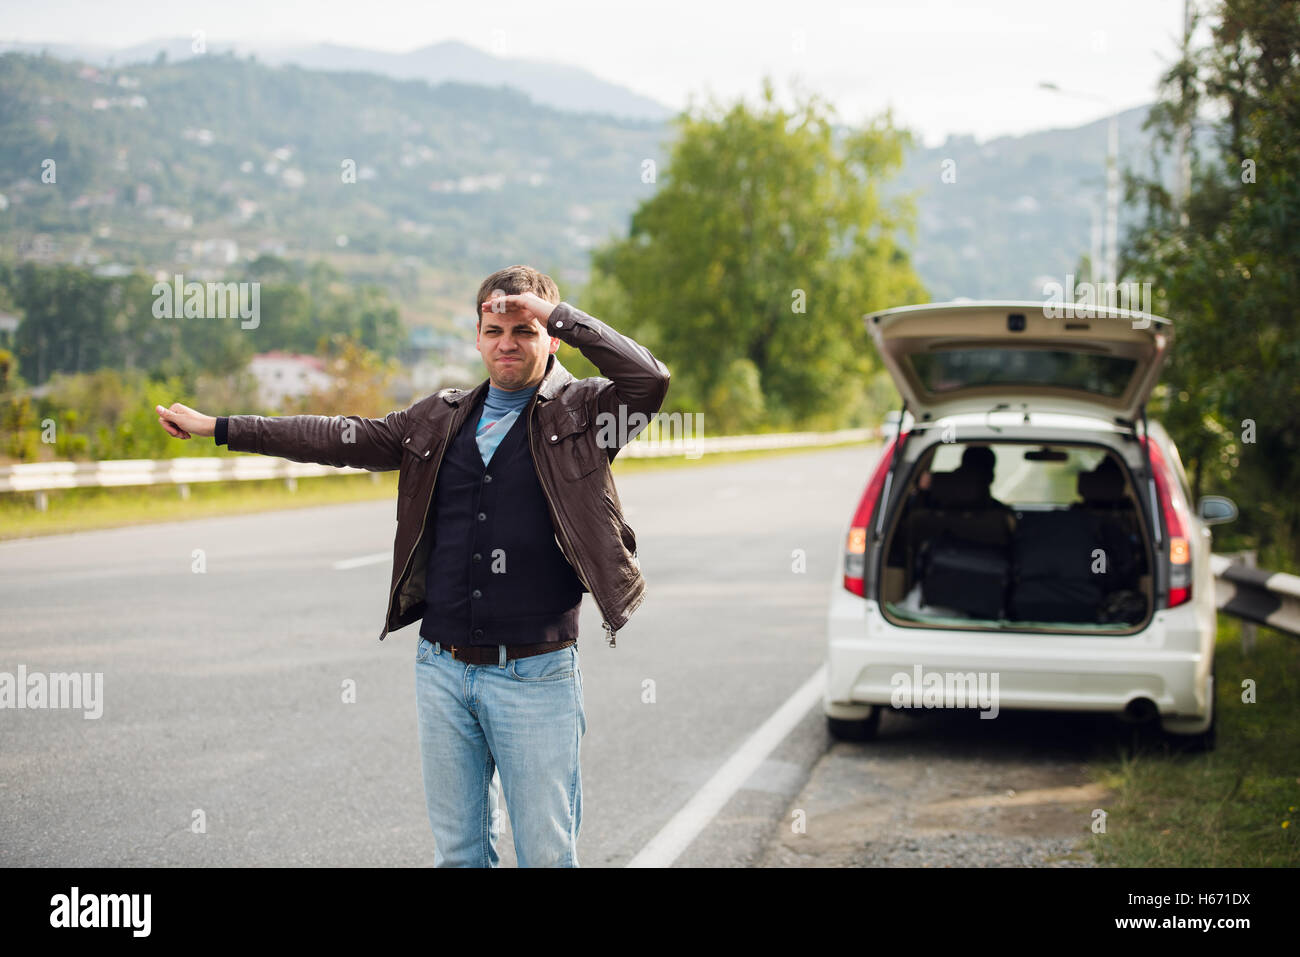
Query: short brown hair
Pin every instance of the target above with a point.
(513, 280)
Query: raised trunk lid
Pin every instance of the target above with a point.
(955, 357)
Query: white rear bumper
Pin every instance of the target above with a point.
(1168, 662)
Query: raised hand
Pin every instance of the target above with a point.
(531, 304)
(182, 422)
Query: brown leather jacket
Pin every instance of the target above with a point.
(571, 451)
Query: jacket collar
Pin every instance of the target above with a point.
(555, 378)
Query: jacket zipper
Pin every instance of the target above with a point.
(609, 631)
(388, 613)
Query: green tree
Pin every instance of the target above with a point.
(67, 322)
(361, 382)
(1225, 264)
(764, 244)
(19, 436)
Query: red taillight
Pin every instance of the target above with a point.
(855, 549)
(1176, 526)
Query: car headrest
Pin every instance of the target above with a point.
(1104, 485)
(957, 489)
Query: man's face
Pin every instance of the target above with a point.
(514, 347)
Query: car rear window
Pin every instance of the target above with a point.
(1018, 480)
(947, 370)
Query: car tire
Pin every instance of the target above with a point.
(862, 729)
(1200, 743)
(1203, 741)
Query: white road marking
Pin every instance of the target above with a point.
(375, 559)
(677, 835)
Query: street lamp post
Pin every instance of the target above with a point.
(1112, 179)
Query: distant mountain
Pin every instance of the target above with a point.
(556, 85)
(1015, 210)
(202, 163)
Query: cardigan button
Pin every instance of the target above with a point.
(554, 438)
(559, 323)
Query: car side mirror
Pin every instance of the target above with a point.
(1215, 509)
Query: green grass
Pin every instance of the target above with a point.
(85, 509)
(1235, 806)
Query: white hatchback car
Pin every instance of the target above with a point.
(1026, 539)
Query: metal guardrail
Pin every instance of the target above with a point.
(46, 476)
(42, 477)
(644, 448)
(1256, 595)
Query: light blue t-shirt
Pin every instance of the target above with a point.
(500, 410)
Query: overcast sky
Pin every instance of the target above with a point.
(944, 66)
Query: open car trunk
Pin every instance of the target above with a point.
(949, 358)
(1018, 536)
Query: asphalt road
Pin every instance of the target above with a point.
(223, 690)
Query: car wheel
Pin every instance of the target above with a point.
(1197, 743)
(863, 729)
(1201, 741)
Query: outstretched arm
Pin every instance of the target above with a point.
(337, 440)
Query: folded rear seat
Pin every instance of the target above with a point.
(1053, 558)
(1117, 524)
(1073, 565)
(965, 562)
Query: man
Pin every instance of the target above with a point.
(507, 512)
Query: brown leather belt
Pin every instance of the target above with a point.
(491, 654)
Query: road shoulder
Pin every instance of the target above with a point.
(936, 791)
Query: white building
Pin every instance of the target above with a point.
(286, 375)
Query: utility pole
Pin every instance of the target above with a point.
(1184, 158)
(1095, 265)
(1112, 200)
(1112, 179)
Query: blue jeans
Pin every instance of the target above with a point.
(520, 720)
